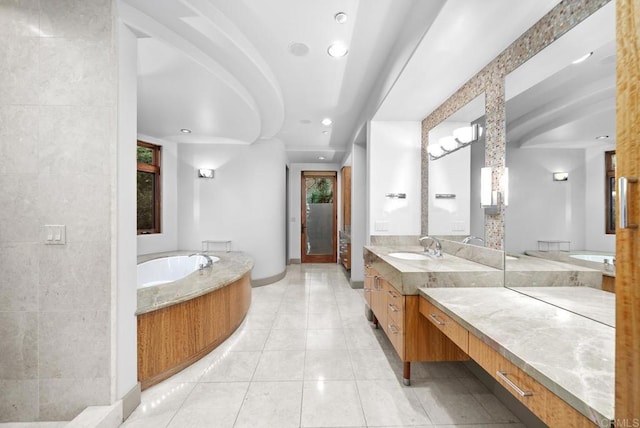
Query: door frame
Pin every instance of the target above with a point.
(322, 258)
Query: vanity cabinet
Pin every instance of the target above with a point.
(412, 336)
(550, 408)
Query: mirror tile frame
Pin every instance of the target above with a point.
(491, 81)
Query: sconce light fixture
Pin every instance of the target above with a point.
(461, 138)
(491, 199)
(396, 195)
(560, 176)
(205, 173)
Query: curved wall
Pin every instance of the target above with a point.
(245, 202)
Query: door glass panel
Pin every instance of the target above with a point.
(319, 215)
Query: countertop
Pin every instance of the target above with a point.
(563, 256)
(569, 354)
(528, 271)
(407, 276)
(231, 267)
(590, 303)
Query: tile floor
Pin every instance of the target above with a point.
(306, 356)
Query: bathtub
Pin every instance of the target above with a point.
(598, 258)
(169, 269)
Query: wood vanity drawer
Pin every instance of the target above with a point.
(395, 302)
(454, 331)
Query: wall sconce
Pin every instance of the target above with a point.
(491, 199)
(205, 173)
(396, 195)
(461, 138)
(560, 176)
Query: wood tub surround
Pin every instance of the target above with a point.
(174, 336)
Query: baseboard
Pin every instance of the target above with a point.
(357, 284)
(131, 400)
(269, 280)
(295, 261)
(98, 417)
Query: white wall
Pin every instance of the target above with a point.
(245, 202)
(393, 150)
(595, 237)
(168, 239)
(358, 208)
(126, 373)
(540, 208)
(295, 199)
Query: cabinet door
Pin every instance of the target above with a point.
(379, 302)
(369, 278)
(628, 239)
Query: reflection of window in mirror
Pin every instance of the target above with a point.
(610, 191)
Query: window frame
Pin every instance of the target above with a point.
(609, 191)
(155, 169)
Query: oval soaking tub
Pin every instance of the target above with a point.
(170, 269)
(185, 312)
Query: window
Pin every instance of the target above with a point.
(610, 191)
(148, 186)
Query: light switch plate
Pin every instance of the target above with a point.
(55, 234)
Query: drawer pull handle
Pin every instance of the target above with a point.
(391, 293)
(435, 318)
(521, 393)
(393, 307)
(393, 329)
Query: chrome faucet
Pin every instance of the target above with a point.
(427, 248)
(209, 260)
(472, 238)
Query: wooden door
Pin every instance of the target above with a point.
(627, 405)
(318, 214)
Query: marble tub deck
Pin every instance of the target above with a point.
(231, 267)
(569, 354)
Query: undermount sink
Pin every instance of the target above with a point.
(410, 256)
(510, 258)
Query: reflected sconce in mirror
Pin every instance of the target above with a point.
(491, 199)
(461, 138)
(560, 176)
(205, 173)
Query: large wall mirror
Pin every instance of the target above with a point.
(456, 155)
(560, 123)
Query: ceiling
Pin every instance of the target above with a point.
(238, 71)
(553, 103)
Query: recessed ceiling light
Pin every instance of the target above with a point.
(340, 17)
(327, 121)
(321, 157)
(582, 58)
(602, 137)
(185, 131)
(298, 49)
(337, 50)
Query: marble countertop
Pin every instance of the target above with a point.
(595, 304)
(564, 257)
(569, 354)
(231, 267)
(447, 271)
(540, 272)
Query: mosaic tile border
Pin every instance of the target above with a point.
(491, 81)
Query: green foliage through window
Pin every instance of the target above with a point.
(319, 190)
